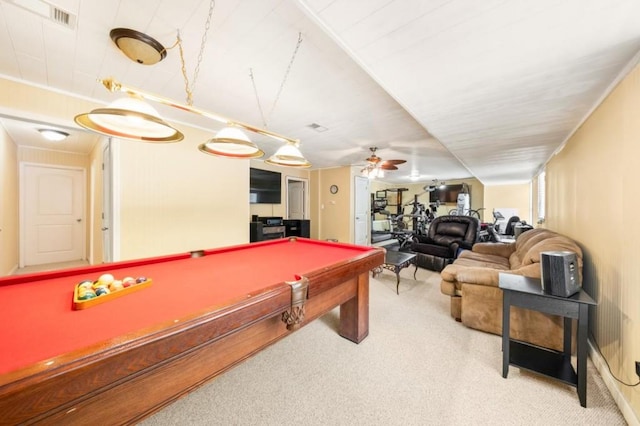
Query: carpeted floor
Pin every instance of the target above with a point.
(417, 367)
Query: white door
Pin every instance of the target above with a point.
(52, 214)
(295, 199)
(362, 207)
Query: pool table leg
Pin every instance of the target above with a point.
(354, 313)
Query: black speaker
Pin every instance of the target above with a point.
(255, 232)
(305, 228)
(559, 273)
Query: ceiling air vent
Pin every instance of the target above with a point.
(60, 16)
(47, 10)
(317, 127)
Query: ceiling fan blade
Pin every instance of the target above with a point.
(387, 166)
(395, 161)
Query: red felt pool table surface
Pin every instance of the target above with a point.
(199, 316)
(39, 321)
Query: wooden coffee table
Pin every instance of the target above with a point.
(395, 261)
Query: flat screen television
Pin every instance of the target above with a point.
(264, 187)
(448, 194)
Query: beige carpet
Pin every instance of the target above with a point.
(417, 367)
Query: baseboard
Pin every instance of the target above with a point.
(13, 270)
(610, 382)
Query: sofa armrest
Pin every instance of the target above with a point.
(498, 249)
(465, 245)
(479, 275)
(532, 270)
(489, 276)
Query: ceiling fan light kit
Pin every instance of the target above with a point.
(376, 166)
(131, 118)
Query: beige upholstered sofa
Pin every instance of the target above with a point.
(472, 282)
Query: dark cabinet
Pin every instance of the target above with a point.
(258, 231)
(297, 228)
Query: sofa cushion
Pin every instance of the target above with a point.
(525, 242)
(557, 243)
(472, 258)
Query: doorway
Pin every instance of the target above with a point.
(362, 207)
(52, 214)
(296, 197)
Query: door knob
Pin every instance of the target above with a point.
(78, 220)
(105, 228)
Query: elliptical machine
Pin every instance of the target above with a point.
(488, 232)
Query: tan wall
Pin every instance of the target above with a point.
(508, 196)
(9, 233)
(41, 105)
(592, 196)
(332, 213)
(173, 198)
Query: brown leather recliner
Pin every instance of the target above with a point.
(446, 235)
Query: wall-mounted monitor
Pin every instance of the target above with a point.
(448, 194)
(265, 187)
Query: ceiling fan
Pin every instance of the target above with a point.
(377, 162)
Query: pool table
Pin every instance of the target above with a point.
(204, 312)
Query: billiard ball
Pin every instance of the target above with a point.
(116, 285)
(141, 279)
(105, 279)
(128, 282)
(85, 284)
(84, 294)
(101, 290)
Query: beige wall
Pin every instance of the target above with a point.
(173, 198)
(508, 196)
(332, 214)
(9, 232)
(592, 196)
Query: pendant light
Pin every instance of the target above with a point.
(130, 118)
(231, 142)
(288, 155)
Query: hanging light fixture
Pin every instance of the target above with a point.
(231, 142)
(289, 156)
(133, 119)
(130, 118)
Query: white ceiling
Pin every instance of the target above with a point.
(458, 88)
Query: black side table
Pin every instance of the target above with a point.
(527, 293)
